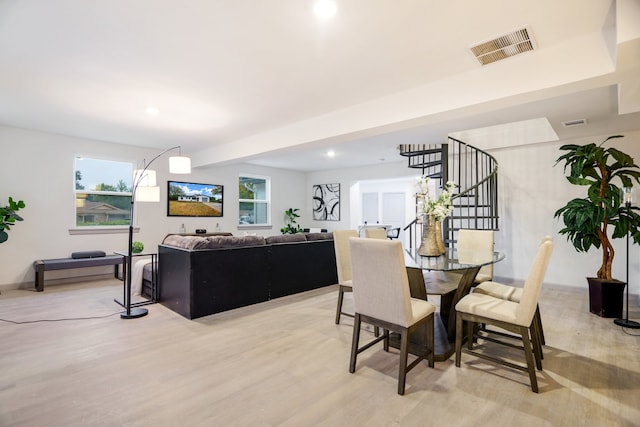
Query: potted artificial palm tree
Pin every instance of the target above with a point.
(587, 221)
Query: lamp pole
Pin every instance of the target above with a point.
(135, 312)
(626, 323)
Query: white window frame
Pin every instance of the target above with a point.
(102, 228)
(266, 201)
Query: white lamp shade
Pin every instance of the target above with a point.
(148, 194)
(179, 164)
(144, 178)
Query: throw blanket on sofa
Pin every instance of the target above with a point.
(136, 276)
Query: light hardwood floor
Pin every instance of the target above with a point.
(285, 363)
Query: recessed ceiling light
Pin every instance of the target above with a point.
(331, 153)
(152, 111)
(325, 8)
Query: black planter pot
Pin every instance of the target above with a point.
(606, 297)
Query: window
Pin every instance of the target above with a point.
(103, 192)
(255, 200)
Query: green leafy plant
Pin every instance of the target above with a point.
(137, 247)
(587, 220)
(9, 217)
(291, 227)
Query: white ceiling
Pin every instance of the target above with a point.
(266, 82)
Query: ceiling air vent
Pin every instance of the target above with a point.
(577, 122)
(514, 43)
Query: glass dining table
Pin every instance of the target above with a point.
(450, 276)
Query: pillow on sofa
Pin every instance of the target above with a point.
(214, 242)
(319, 236)
(185, 242)
(286, 238)
(216, 233)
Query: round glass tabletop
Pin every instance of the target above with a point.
(452, 259)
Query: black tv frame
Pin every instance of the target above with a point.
(197, 186)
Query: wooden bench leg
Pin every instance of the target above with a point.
(39, 279)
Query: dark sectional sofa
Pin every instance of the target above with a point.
(202, 275)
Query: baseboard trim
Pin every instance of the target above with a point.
(58, 281)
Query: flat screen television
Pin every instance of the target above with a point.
(193, 199)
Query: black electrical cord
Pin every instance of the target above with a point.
(58, 320)
(626, 332)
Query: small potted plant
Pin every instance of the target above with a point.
(137, 247)
(587, 221)
(291, 226)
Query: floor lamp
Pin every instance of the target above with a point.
(627, 196)
(145, 190)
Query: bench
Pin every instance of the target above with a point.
(42, 265)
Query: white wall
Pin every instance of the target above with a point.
(350, 205)
(38, 168)
(531, 189)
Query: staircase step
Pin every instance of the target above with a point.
(475, 207)
(425, 165)
(471, 206)
(416, 153)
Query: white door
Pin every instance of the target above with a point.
(393, 207)
(370, 208)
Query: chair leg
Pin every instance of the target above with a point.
(431, 341)
(528, 352)
(538, 320)
(354, 343)
(404, 352)
(535, 331)
(471, 328)
(458, 338)
(339, 308)
(537, 348)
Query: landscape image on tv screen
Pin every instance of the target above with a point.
(193, 199)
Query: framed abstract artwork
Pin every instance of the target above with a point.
(326, 202)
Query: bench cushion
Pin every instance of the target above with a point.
(66, 263)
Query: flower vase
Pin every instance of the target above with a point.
(439, 238)
(432, 243)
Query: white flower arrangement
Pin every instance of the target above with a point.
(440, 207)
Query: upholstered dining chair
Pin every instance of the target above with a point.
(393, 233)
(343, 264)
(477, 240)
(512, 293)
(381, 296)
(375, 233)
(515, 317)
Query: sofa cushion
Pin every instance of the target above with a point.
(286, 238)
(186, 242)
(319, 236)
(215, 242)
(216, 233)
